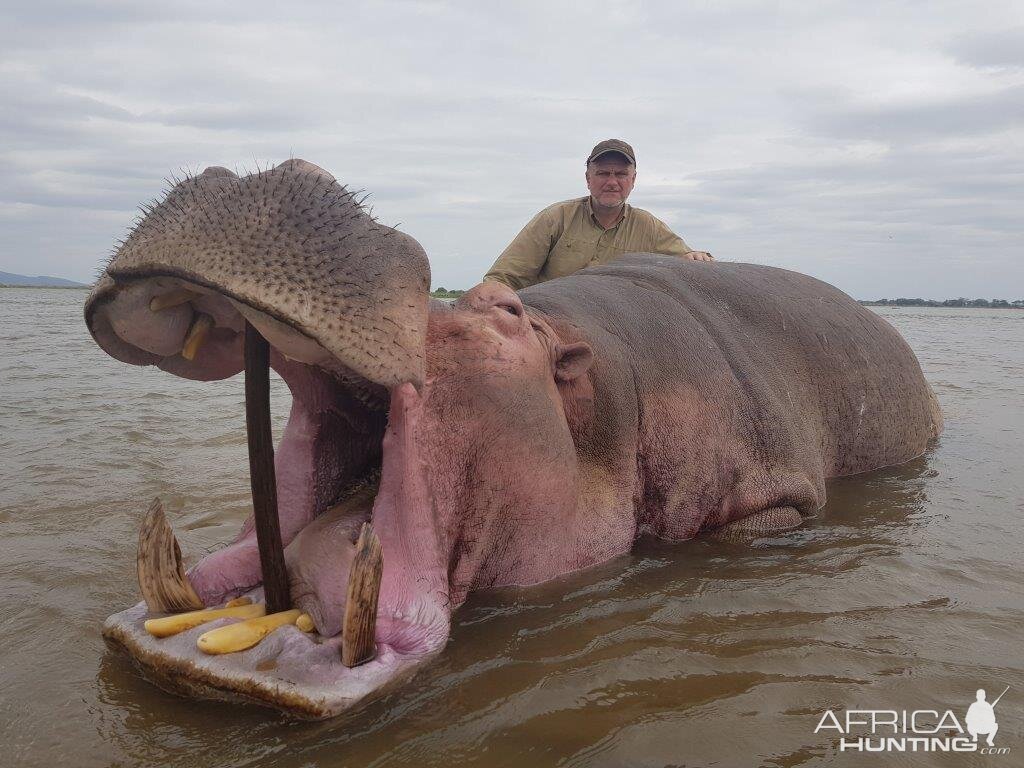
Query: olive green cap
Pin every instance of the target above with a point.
(612, 145)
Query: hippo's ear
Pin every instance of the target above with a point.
(572, 360)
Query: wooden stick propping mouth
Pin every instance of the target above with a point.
(261, 471)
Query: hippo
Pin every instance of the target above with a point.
(505, 439)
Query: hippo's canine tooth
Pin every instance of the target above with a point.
(238, 601)
(162, 579)
(305, 622)
(196, 335)
(179, 622)
(360, 623)
(244, 634)
(173, 299)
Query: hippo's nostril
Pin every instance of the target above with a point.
(512, 309)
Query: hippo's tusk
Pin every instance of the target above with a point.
(172, 625)
(162, 578)
(196, 335)
(261, 471)
(238, 601)
(173, 299)
(305, 622)
(360, 624)
(244, 634)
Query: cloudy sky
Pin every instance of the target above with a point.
(878, 147)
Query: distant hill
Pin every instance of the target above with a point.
(40, 281)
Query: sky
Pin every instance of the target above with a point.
(879, 147)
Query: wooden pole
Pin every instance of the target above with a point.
(261, 471)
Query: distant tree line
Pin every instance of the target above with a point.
(444, 293)
(961, 302)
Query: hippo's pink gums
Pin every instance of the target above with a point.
(505, 439)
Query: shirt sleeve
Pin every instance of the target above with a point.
(668, 242)
(519, 265)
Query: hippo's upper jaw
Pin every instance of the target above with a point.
(342, 302)
(289, 249)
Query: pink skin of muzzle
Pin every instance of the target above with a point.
(413, 606)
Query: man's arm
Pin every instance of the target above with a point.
(519, 265)
(669, 243)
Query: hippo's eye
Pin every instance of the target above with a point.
(512, 309)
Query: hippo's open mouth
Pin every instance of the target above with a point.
(348, 455)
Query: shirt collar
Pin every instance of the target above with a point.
(590, 213)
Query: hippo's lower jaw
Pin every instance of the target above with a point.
(349, 454)
(393, 495)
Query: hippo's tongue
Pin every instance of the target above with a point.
(413, 614)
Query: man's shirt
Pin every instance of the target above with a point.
(566, 237)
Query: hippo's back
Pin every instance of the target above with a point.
(808, 376)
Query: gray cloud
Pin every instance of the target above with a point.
(819, 137)
(959, 116)
(991, 48)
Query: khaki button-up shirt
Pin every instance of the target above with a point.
(566, 237)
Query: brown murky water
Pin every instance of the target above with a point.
(906, 592)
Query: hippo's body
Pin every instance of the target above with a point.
(505, 439)
(721, 390)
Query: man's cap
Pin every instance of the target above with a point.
(612, 145)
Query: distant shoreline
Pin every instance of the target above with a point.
(897, 303)
(58, 287)
(947, 304)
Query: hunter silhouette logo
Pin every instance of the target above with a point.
(981, 717)
(916, 730)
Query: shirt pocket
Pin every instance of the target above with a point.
(631, 242)
(569, 254)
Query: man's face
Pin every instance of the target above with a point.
(610, 180)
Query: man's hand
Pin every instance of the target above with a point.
(699, 256)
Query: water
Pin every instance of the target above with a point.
(904, 593)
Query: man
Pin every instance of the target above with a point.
(568, 236)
